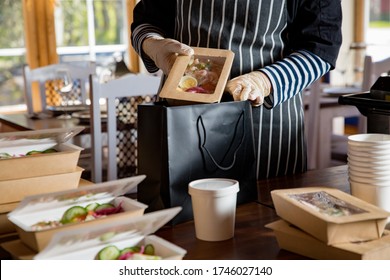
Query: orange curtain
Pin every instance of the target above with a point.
(133, 56)
(39, 32)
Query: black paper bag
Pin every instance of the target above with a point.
(179, 144)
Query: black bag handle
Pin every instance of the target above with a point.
(202, 145)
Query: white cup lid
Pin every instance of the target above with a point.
(213, 187)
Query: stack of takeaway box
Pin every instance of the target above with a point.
(326, 223)
(22, 175)
(126, 227)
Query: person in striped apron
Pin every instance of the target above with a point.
(280, 46)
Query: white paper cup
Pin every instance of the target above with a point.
(370, 164)
(372, 141)
(378, 156)
(376, 195)
(214, 208)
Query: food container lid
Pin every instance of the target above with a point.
(74, 240)
(215, 187)
(52, 200)
(22, 138)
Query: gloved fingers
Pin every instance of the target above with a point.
(256, 98)
(239, 88)
(245, 92)
(173, 46)
(234, 88)
(164, 51)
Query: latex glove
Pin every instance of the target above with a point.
(253, 86)
(164, 51)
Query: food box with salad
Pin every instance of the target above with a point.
(330, 215)
(292, 239)
(38, 217)
(130, 239)
(200, 78)
(26, 154)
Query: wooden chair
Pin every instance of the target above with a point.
(371, 72)
(311, 99)
(121, 97)
(48, 79)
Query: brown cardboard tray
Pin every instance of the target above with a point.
(18, 144)
(330, 215)
(16, 190)
(292, 239)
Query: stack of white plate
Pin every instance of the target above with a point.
(369, 168)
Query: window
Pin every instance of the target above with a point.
(378, 31)
(11, 52)
(91, 30)
(95, 30)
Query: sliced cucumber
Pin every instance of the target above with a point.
(109, 253)
(5, 155)
(92, 206)
(33, 152)
(134, 249)
(149, 249)
(74, 214)
(105, 206)
(50, 150)
(106, 236)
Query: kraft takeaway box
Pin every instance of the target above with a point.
(15, 190)
(330, 215)
(6, 226)
(18, 250)
(15, 164)
(200, 78)
(292, 239)
(52, 206)
(84, 244)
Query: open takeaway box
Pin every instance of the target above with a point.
(26, 154)
(86, 243)
(295, 240)
(39, 217)
(35, 162)
(200, 78)
(330, 215)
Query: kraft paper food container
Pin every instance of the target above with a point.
(84, 244)
(18, 250)
(51, 207)
(330, 215)
(292, 239)
(5, 225)
(18, 144)
(16, 190)
(200, 78)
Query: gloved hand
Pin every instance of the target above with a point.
(164, 51)
(253, 86)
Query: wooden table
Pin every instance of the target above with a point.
(21, 122)
(252, 240)
(330, 109)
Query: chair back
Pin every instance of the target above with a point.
(121, 97)
(311, 99)
(48, 78)
(372, 70)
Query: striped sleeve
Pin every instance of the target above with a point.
(292, 75)
(139, 34)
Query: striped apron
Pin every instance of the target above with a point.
(253, 30)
